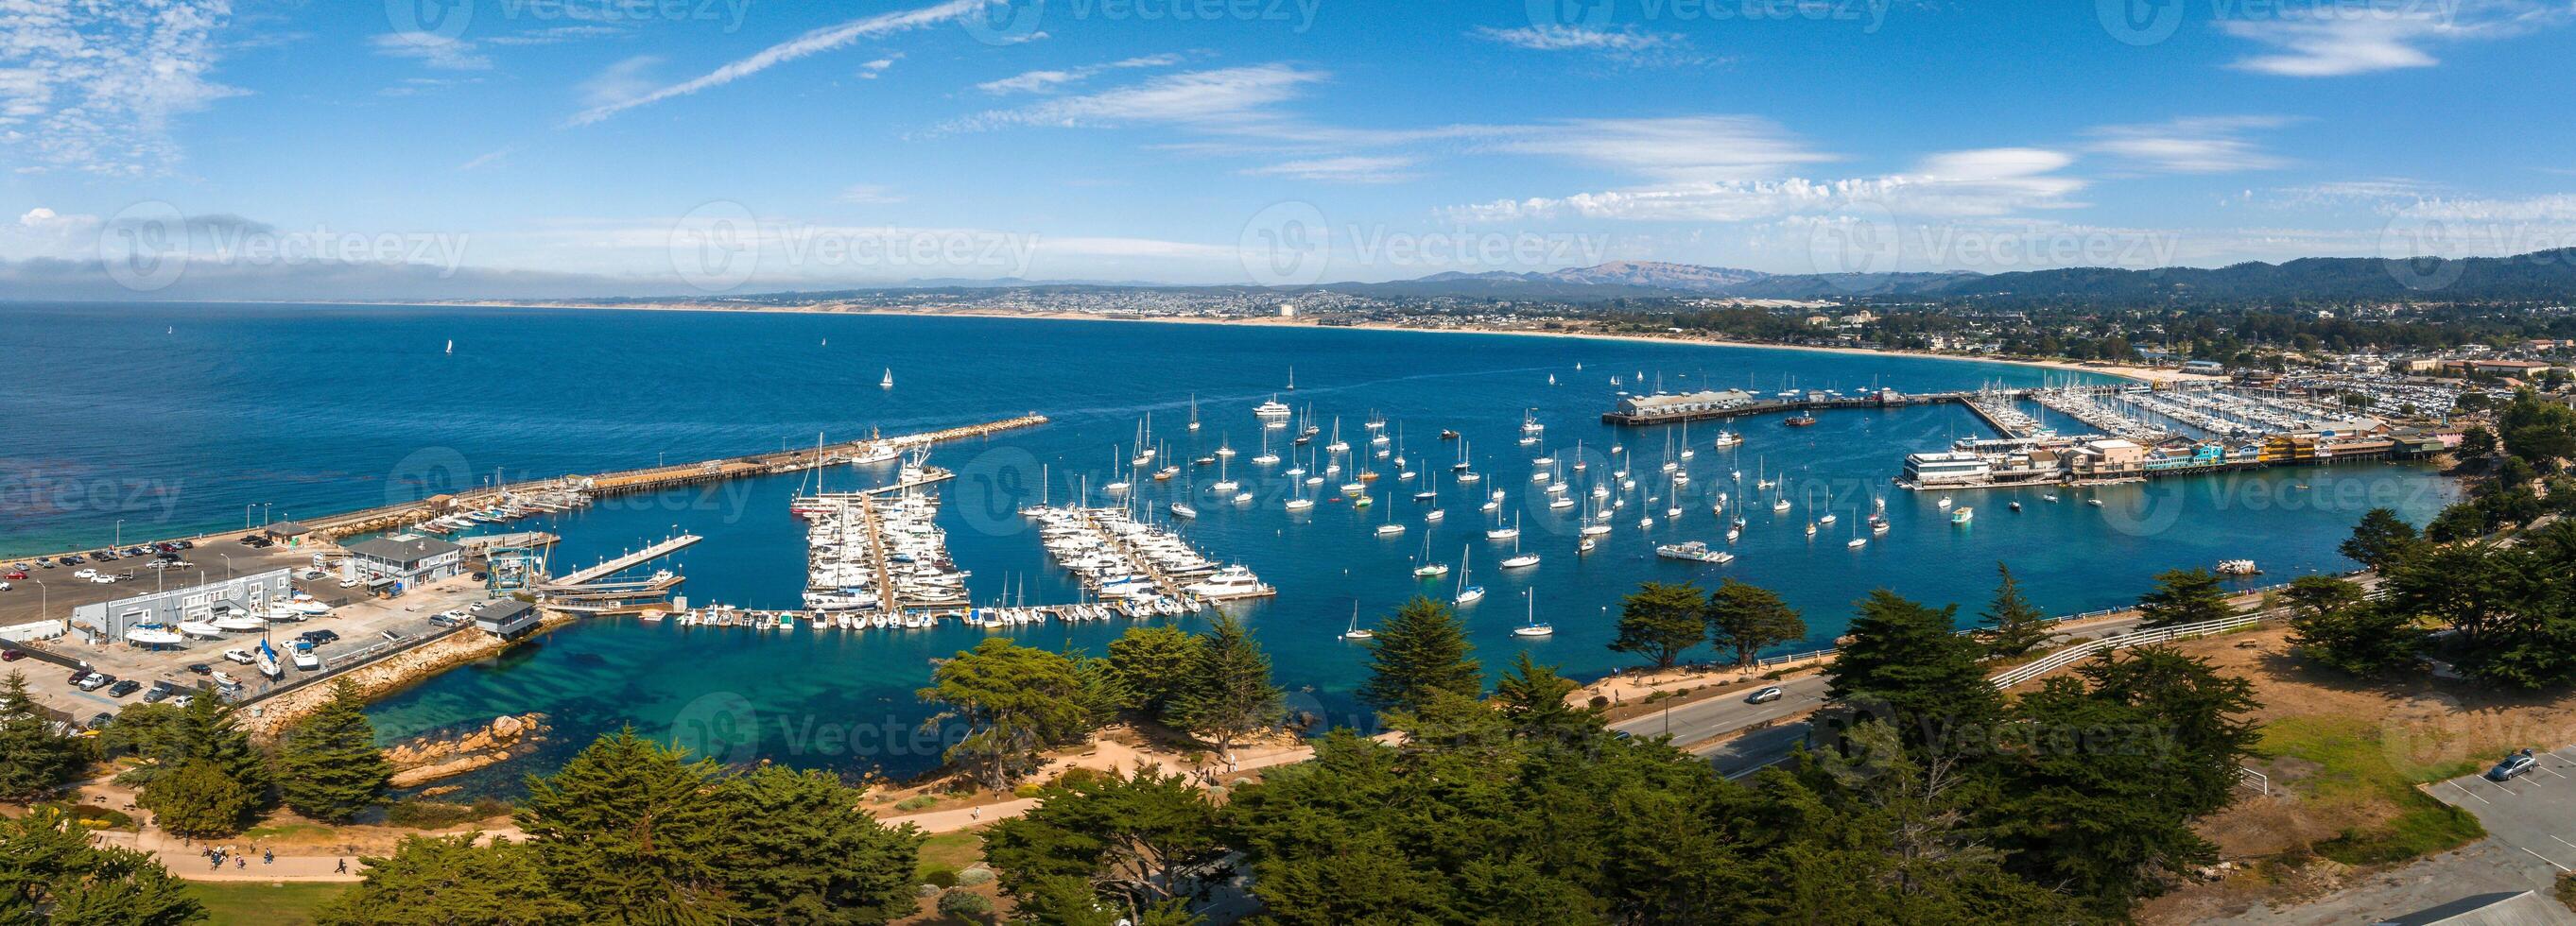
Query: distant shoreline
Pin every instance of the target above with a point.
(2131, 372)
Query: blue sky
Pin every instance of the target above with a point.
(548, 146)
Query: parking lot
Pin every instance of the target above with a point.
(2535, 812)
(362, 627)
(52, 593)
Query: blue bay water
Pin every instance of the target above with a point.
(174, 418)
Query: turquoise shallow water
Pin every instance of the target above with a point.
(175, 417)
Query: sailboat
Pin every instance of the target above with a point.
(1857, 541)
(1498, 531)
(1355, 633)
(1265, 459)
(888, 381)
(1298, 500)
(1533, 628)
(1430, 492)
(1429, 569)
(1194, 411)
(1390, 528)
(1116, 486)
(1519, 559)
(1467, 594)
(451, 344)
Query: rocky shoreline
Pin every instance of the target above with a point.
(431, 758)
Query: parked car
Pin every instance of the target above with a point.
(124, 688)
(12, 655)
(77, 675)
(95, 681)
(18, 573)
(103, 579)
(201, 668)
(1766, 695)
(2512, 766)
(4, 586)
(86, 574)
(184, 544)
(240, 656)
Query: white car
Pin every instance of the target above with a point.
(103, 579)
(86, 574)
(241, 656)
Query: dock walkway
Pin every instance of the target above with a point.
(621, 563)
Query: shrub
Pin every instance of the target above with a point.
(1076, 777)
(974, 876)
(916, 802)
(423, 814)
(1600, 701)
(939, 876)
(1027, 789)
(965, 905)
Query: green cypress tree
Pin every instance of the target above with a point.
(1903, 658)
(443, 880)
(800, 851)
(198, 799)
(1231, 695)
(328, 763)
(1748, 618)
(629, 827)
(2015, 626)
(34, 760)
(1422, 649)
(1659, 621)
(50, 872)
(2184, 596)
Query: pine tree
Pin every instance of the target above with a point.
(438, 881)
(2184, 596)
(1748, 619)
(34, 760)
(2379, 539)
(800, 851)
(1532, 697)
(1155, 663)
(1903, 658)
(1659, 621)
(198, 799)
(329, 766)
(629, 826)
(50, 872)
(1015, 700)
(1422, 649)
(1232, 696)
(2017, 626)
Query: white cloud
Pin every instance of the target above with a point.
(1346, 169)
(445, 53)
(94, 86)
(815, 42)
(1048, 80)
(1626, 46)
(1976, 183)
(617, 83)
(486, 159)
(868, 194)
(1236, 99)
(2342, 39)
(872, 69)
(2196, 145)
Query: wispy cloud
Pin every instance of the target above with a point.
(1975, 183)
(868, 194)
(2343, 39)
(1048, 80)
(1347, 169)
(1703, 148)
(815, 42)
(1625, 46)
(445, 53)
(2194, 145)
(95, 86)
(877, 68)
(485, 159)
(1238, 99)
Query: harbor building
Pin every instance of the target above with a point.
(2110, 458)
(109, 620)
(1692, 403)
(507, 618)
(392, 564)
(1942, 470)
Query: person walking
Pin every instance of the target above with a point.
(344, 867)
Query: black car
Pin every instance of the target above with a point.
(123, 688)
(184, 544)
(201, 668)
(1766, 695)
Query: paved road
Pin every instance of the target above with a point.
(2534, 813)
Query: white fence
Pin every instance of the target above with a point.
(35, 630)
(2073, 654)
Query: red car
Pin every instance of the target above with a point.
(14, 574)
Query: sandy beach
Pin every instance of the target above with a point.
(2135, 372)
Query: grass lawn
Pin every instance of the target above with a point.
(954, 851)
(2354, 765)
(257, 903)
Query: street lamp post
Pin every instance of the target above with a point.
(120, 532)
(228, 566)
(246, 507)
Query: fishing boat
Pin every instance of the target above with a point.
(1467, 594)
(1355, 633)
(1727, 439)
(1944, 502)
(1533, 628)
(1799, 420)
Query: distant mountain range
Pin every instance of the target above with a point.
(2541, 275)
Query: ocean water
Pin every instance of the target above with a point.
(179, 418)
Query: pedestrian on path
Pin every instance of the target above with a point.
(344, 867)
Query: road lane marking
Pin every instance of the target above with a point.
(2464, 790)
(2545, 858)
